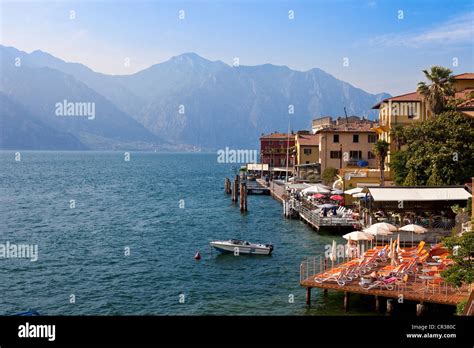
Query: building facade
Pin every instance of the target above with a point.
(408, 108)
(347, 145)
(274, 148)
(307, 147)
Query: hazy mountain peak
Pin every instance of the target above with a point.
(187, 99)
(192, 59)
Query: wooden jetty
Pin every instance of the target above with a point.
(315, 220)
(240, 188)
(293, 208)
(277, 191)
(414, 289)
(255, 187)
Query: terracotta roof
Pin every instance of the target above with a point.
(349, 127)
(276, 136)
(464, 94)
(465, 76)
(308, 139)
(468, 104)
(415, 96)
(409, 97)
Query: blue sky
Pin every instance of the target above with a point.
(386, 49)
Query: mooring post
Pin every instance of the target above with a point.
(235, 189)
(308, 296)
(377, 303)
(243, 196)
(346, 300)
(227, 186)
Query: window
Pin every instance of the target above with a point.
(270, 142)
(355, 138)
(282, 162)
(372, 138)
(371, 155)
(307, 162)
(307, 152)
(335, 154)
(335, 138)
(355, 155)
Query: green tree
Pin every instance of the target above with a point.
(329, 174)
(439, 87)
(398, 165)
(411, 179)
(461, 250)
(442, 142)
(381, 151)
(397, 134)
(434, 179)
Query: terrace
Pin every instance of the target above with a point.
(409, 274)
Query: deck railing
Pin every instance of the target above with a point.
(313, 217)
(423, 290)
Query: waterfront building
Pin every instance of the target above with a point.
(345, 144)
(273, 149)
(408, 108)
(307, 147)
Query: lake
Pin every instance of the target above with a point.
(118, 237)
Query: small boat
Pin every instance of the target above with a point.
(241, 247)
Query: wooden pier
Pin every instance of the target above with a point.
(414, 289)
(256, 187)
(240, 188)
(314, 219)
(277, 191)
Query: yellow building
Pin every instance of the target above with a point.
(307, 148)
(347, 145)
(408, 108)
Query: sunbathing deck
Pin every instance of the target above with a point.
(414, 291)
(416, 277)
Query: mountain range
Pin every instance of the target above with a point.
(186, 103)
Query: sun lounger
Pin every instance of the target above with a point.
(387, 284)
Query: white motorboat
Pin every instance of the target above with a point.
(237, 246)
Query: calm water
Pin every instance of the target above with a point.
(136, 204)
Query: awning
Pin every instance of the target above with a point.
(380, 129)
(393, 194)
(297, 186)
(257, 166)
(281, 169)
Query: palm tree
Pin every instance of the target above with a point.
(381, 151)
(439, 88)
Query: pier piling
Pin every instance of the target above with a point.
(308, 296)
(227, 186)
(243, 197)
(420, 309)
(235, 189)
(346, 300)
(389, 306)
